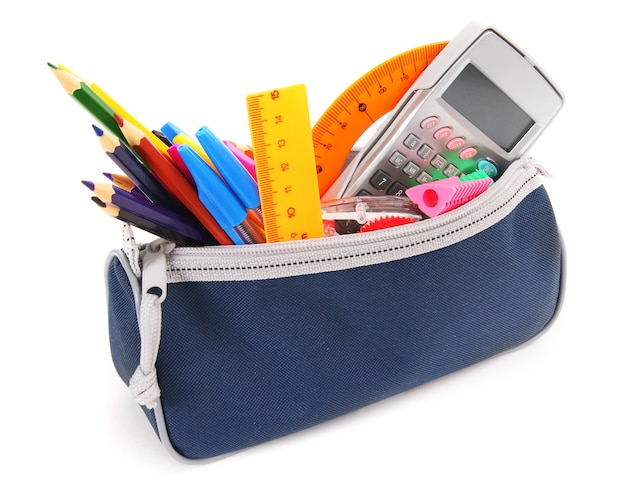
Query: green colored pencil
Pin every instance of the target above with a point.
(87, 98)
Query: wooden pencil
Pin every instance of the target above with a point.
(137, 171)
(173, 180)
(87, 98)
(145, 224)
(113, 105)
(140, 206)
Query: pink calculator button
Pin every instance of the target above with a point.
(442, 133)
(430, 122)
(467, 153)
(455, 143)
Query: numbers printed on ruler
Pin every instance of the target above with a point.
(364, 102)
(283, 152)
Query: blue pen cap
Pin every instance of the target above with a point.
(170, 130)
(216, 196)
(230, 168)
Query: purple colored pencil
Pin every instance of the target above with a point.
(142, 207)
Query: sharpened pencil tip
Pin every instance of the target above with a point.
(52, 66)
(119, 119)
(89, 185)
(99, 131)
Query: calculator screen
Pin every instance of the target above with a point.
(488, 108)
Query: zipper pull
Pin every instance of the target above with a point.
(153, 274)
(143, 383)
(540, 168)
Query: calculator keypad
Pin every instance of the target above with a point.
(432, 150)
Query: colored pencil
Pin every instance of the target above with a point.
(80, 91)
(140, 206)
(124, 182)
(136, 170)
(115, 107)
(173, 180)
(119, 110)
(145, 224)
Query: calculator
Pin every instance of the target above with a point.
(480, 104)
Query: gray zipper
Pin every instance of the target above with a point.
(277, 260)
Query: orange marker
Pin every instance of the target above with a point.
(172, 179)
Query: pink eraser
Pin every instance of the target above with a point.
(441, 196)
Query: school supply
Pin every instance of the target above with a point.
(219, 199)
(80, 91)
(361, 105)
(363, 214)
(171, 178)
(142, 207)
(443, 195)
(246, 160)
(141, 175)
(230, 344)
(481, 103)
(283, 152)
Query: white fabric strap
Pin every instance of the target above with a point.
(131, 249)
(143, 384)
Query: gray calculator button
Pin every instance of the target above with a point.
(424, 178)
(397, 189)
(411, 169)
(411, 141)
(425, 152)
(380, 180)
(438, 162)
(397, 159)
(450, 170)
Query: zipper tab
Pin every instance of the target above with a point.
(154, 275)
(540, 168)
(143, 383)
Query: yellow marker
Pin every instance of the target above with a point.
(364, 102)
(285, 163)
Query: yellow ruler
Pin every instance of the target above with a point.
(280, 128)
(363, 103)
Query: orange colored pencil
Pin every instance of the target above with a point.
(171, 177)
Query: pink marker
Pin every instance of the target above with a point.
(440, 196)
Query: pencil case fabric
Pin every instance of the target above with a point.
(229, 347)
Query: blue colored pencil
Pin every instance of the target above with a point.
(137, 171)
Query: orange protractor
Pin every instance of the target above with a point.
(362, 104)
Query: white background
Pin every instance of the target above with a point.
(553, 412)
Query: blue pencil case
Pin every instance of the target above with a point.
(229, 347)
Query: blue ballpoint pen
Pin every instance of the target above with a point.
(231, 169)
(219, 199)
